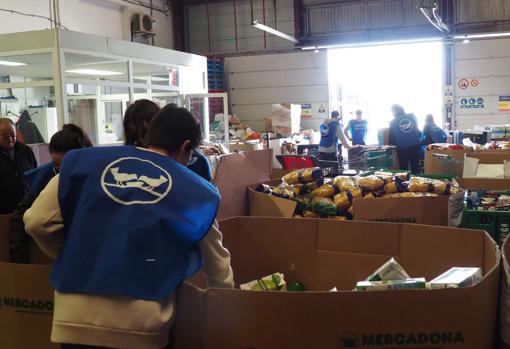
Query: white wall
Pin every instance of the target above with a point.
(488, 62)
(101, 17)
(257, 82)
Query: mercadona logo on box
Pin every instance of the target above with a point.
(27, 305)
(351, 340)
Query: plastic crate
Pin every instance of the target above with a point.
(367, 158)
(496, 223)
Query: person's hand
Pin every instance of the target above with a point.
(347, 146)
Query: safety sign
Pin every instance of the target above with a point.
(463, 84)
(306, 111)
(472, 103)
(474, 83)
(504, 104)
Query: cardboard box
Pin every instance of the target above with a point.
(484, 183)
(441, 210)
(325, 254)
(26, 298)
(487, 165)
(242, 146)
(438, 166)
(504, 323)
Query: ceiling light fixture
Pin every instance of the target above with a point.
(482, 36)
(372, 43)
(93, 72)
(270, 30)
(12, 64)
(465, 41)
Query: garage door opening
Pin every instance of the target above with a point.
(374, 78)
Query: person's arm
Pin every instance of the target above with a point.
(19, 240)
(43, 221)
(216, 260)
(346, 130)
(341, 136)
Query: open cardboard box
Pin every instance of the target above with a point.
(324, 254)
(442, 210)
(26, 298)
(487, 165)
(484, 183)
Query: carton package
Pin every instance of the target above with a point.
(273, 282)
(487, 165)
(26, 298)
(457, 277)
(405, 284)
(324, 254)
(390, 270)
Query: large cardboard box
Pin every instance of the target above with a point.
(504, 323)
(484, 183)
(441, 210)
(325, 254)
(487, 165)
(26, 298)
(437, 165)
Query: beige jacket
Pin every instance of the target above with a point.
(114, 322)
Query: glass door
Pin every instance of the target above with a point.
(211, 110)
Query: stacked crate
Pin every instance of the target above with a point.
(216, 82)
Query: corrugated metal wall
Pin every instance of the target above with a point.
(257, 82)
(487, 62)
(469, 11)
(222, 29)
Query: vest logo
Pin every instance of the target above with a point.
(350, 340)
(324, 130)
(406, 125)
(131, 181)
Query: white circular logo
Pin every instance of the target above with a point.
(130, 181)
(406, 125)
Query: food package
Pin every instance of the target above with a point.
(369, 196)
(457, 277)
(345, 183)
(308, 187)
(326, 190)
(285, 192)
(338, 218)
(342, 201)
(406, 284)
(356, 193)
(303, 176)
(323, 206)
(426, 185)
(390, 270)
(370, 183)
(311, 214)
(390, 188)
(304, 203)
(273, 282)
(264, 188)
(408, 195)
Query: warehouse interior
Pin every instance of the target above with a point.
(256, 174)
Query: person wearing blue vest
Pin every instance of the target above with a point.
(331, 132)
(406, 136)
(357, 128)
(69, 138)
(432, 133)
(127, 226)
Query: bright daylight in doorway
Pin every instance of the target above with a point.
(376, 77)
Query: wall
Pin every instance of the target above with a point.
(257, 82)
(222, 29)
(101, 17)
(487, 62)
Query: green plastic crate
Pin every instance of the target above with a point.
(496, 223)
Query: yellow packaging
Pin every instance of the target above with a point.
(370, 183)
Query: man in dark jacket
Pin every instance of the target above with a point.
(15, 159)
(404, 133)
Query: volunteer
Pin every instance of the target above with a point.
(136, 123)
(404, 133)
(15, 159)
(70, 137)
(331, 131)
(127, 226)
(357, 128)
(432, 133)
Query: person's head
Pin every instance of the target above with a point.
(429, 119)
(359, 114)
(69, 138)
(137, 119)
(335, 115)
(397, 110)
(7, 134)
(176, 132)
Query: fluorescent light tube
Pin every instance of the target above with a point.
(482, 36)
(270, 30)
(93, 72)
(12, 64)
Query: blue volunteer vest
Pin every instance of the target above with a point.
(358, 131)
(328, 134)
(405, 131)
(200, 166)
(437, 134)
(38, 178)
(133, 219)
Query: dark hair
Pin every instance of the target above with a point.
(137, 119)
(398, 109)
(171, 127)
(335, 114)
(7, 120)
(70, 137)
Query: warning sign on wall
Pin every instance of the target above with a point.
(504, 104)
(306, 111)
(472, 103)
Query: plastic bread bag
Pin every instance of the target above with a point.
(303, 176)
(310, 214)
(388, 188)
(326, 190)
(370, 183)
(304, 203)
(427, 185)
(324, 206)
(345, 183)
(284, 192)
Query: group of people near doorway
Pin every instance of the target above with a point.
(125, 224)
(404, 133)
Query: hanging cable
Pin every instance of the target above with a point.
(29, 15)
